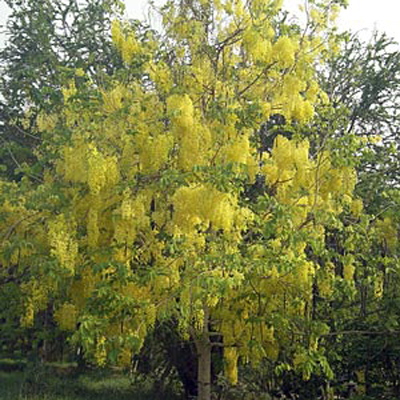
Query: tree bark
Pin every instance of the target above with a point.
(204, 369)
(203, 347)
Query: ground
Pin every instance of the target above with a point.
(61, 383)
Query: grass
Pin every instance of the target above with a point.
(93, 385)
(9, 364)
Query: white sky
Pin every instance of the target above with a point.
(361, 15)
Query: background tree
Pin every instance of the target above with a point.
(47, 42)
(364, 79)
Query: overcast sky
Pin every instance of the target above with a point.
(361, 15)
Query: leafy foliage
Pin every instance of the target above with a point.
(190, 180)
(47, 44)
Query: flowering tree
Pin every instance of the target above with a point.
(160, 202)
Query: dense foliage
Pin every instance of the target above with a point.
(199, 184)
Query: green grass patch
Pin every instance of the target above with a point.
(9, 365)
(42, 384)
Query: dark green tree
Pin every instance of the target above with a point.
(364, 80)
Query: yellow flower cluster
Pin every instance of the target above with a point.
(348, 267)
(348, 272)
(132, 213)
(28, 315)
(114, 99)
(66, 316)
(193, 149)
(82, 288)
(288, 167)
(387, 232)
(74, 165)
(238, 150)
(378, 285)
(202, 205)
(332, 181)
(154, 151)
(126, 44)
(238, 331)
(125, 357)
(193, 138)
(230, 364)
(62, 242)
(101, 351)
(181, 111)
(69, 91)
(102, 170)
(35, 299)
(83, 162)
(356, 207)
(135, 291)
(284, 51)
(291, 100)
(46, 122)
(160, 74)
(305, 272)
(304, 183)
(258, 48)
(326, 276)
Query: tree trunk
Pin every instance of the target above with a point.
(203, 347)
(204, 369)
